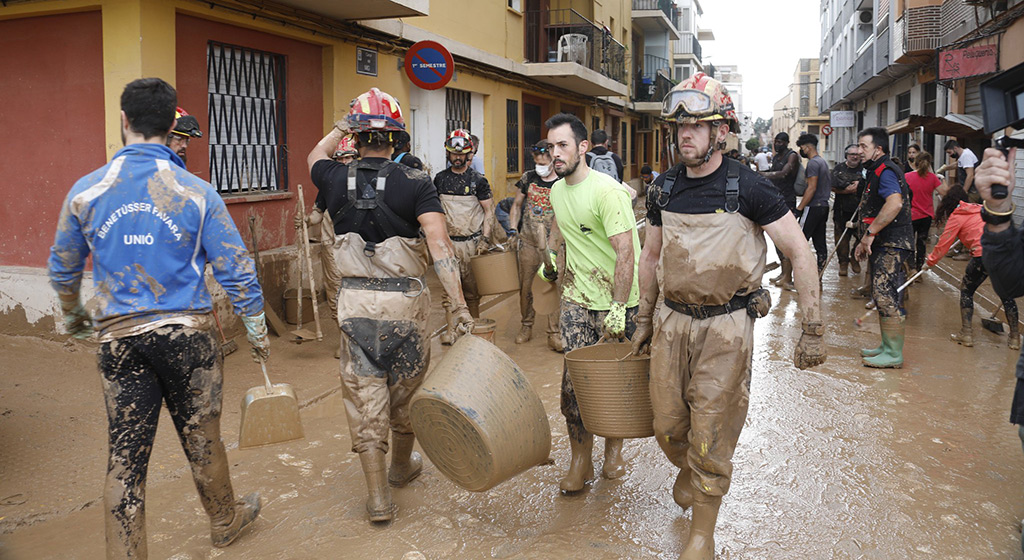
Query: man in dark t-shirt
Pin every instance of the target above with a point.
(848, 185)
(785, 165)
(402, 152)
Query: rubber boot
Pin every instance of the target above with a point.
(1013, 342)
(614, 465)
(787, 276)
(966, 335)
(843, 269)
(555, 342)
(581, 465)
(525, 333)
(893, 329)
(406, 464)
(224, 531)
(854, 266)
(682, 490)
(379, 504)
(701, 545)
(872, 352)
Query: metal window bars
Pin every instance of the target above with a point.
(512, 135)
(457, 110)
(248, 132)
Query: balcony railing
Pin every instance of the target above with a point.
(567, 36)
(654, 89)
(663, 5)
(688, 44)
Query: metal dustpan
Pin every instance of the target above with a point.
(270, 414)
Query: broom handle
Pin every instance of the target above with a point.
(266, 378)
(298, 278)
(309, 265)
(846, 230)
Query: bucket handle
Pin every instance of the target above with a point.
(604, 340)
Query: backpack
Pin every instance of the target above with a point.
(604, 163)
(800, 185)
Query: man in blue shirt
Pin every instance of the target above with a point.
(888, 242)
(151, 228)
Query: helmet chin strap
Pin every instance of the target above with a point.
(713, 140)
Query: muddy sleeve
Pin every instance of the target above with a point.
(233, 268)
(616, 211)
(761, 202)
(68, 254)
(653, 211)
(483, 189)
(524, 183)
(1003, 255)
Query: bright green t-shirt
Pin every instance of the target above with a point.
(588, 214)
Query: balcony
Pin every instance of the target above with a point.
(357, 11)
(567, 50)
(651, 92)
(655, 16)
(687, 46)
(916, 34)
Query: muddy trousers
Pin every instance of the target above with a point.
(530, 259)
(887, 275)
(922, 229)
(182, 367)
(700, 389)
(464, 251)
(974, 275)
(845, 248)
(814, 221)
(582, 327)
(332, 275)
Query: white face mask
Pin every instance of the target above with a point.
(543, 170)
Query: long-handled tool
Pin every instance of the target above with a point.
(300, 334)
(483, 307)
(871, 305)
(273, 320)
(993, 324)
(270, 414)
(229, 346)
(839, 242)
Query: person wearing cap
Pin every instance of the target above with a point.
(533, 204)
(705, 252)
(186, 127)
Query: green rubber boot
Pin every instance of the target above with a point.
(872, 352)
(893, 329)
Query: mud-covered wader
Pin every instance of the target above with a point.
(701, 355)
(533, 251)
(894, 244)
(332, 276)
(464, 217)
(181, 366)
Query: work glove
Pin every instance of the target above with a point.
(483, 244)
(76, 319)
(548, 272)
(256, 333)
(810, 349)
(462, 322)
(312, 219)
(615, 321)
(643, 334)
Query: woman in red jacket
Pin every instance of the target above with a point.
(965, 224)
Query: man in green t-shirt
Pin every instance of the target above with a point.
(594, 233)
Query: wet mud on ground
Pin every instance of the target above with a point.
(837, 462)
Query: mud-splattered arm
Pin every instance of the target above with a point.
(789, 238)
(488, 206)
(68, 254)
(443, 252)
(233, 268)
(324, 149)
(648, 270)
(625, 265)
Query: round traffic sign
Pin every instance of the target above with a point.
(429, 65)
(826, 130)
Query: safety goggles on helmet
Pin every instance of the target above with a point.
(540, 149)
(688, 103)
(458, 143)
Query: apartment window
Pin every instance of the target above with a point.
(883, 113)
(903, 106)
(515, 5)
(531, 130)
(813, 129)
(805, 65)
(456, 109)
(248, 136)
(931, 95)
(511, 135)
(595, 123)
(632, 146)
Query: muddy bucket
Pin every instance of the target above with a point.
(291, 306)
(495, 273)
(477, 417)
(612, 390)
(484, 328)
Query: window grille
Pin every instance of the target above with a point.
(248, 139)
(456, 109)
(531, 131)
(511, 135)
(902, 106)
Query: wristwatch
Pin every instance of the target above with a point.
(995, 218)
(815, 328)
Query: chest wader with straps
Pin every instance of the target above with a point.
(464, 217)
(710, 268)
(383, 305)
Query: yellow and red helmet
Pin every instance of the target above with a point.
(347, 147)
(375, 111)
(700, 98)
(187, 125)
(459, 142)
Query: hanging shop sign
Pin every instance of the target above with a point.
(429, 65)
(843, 119)
(955, 64)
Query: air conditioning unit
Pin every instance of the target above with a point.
(865, 17)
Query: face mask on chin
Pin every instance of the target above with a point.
(542, 170)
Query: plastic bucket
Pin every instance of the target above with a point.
(477, 417)
(495, 273)
(545, 296)
(484, 328)
(613, 393)
(291, 306)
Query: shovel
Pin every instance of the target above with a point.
(305, 335)
(992, 324)
(270, 414)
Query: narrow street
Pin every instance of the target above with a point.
(840, 462)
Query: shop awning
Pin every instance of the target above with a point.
(953, 124)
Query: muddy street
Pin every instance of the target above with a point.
(839, 461)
